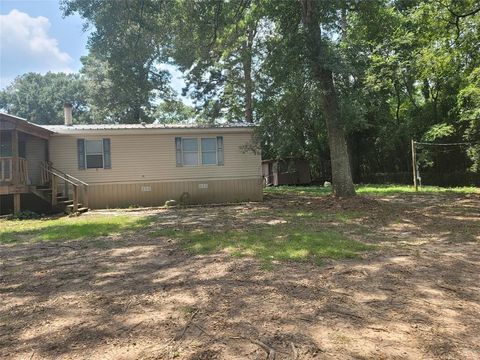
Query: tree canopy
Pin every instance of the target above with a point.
(40, 98)
(345, 84)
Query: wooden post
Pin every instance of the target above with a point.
(414, 165)
(54, 190)
(16, 203)
(15, 168)
(75, 198)
(85, 196)
(42, 172)
(65, 189)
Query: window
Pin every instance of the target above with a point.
(5, 143)
(189, 152)
(22, 149)
(94, 154)
(201, 151)
(209, 151)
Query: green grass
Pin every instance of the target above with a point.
(273, 243)
(368, 190)
(399, 189)
(298, 190)
(299, 236)
(67, 228)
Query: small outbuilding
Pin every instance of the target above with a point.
(290, 171)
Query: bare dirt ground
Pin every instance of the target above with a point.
(144, 297)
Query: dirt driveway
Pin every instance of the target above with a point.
(136, 296)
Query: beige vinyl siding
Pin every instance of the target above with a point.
(151, 157)
(35, 152)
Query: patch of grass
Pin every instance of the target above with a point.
(268, 244)
(369, 189)
(305, 217)
(298, 190)
(304, 214)
(187, 310)
(163, 233)
(66, 228)
(401, 189)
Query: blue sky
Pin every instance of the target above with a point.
(34, 36)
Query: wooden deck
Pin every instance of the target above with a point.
(13, 189)
(14, 177)
(20, 153)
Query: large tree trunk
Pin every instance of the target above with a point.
(247, 73)
(341, 172)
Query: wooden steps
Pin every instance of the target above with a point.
(73, 195)
(81, 209)
(63, 201)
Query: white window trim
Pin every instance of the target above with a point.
(103, 155)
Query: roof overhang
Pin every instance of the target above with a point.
(10, 122)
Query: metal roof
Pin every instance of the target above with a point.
(78, 128)
(65, 128)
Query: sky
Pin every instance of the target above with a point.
(35, 37)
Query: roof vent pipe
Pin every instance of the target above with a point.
(67, 111)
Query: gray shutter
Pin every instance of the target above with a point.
(81, 154)
(107, 158)
(219, 150)
(178, 150)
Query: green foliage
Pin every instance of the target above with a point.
(469, 108)
(26, 214)
(67, 228)
(379, 190)
(215, 44)
(439, 131)
(126, 48)
(401, 70)
(173, 111)
(415, 62)
(40, 98)
(285, 243)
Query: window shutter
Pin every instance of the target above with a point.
(178, 150)
(219, 150)
(107, 158)
(81, 154)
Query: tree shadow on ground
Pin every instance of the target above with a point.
(136, 295)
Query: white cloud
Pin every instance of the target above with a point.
(25, 45)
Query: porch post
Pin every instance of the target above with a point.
(15, 169)
(16, 203)
(54, 189)
(75, 198)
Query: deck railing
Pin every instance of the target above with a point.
(8, 169)
(46, 172)
(22, 171)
